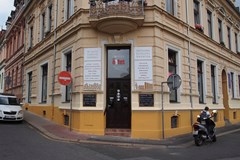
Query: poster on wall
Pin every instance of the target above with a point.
(143, 68)
(92, 69)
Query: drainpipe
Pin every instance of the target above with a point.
(54, 57)
(189, 61)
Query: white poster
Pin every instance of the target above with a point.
(92, 69)
(143, 68)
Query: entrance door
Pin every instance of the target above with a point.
(225, 95)
(118, 113)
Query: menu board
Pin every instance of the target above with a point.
(89, 100)
(146, 100)
(92, 69)
(143, 68)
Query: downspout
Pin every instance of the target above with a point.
(54, 58)
(189, 61)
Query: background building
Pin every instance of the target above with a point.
(15, 50)
(2, 59)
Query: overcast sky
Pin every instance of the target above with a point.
(7, 5)
(5, 9)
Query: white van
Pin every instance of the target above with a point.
(10, 109)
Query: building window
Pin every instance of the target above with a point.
(172, 69)
(69, 8)
(174, 121)
(30, 34)
(68, 67)
(239, 85)
(200, 81)
(2, 81)
(16, 77)
(42, 26)
(44, 69)
(12, 80)
(232, 84)
(229, 37)
(19, 40)
(29, 85)
(196, 12)
(170, 6)
(236, 42)
(213, 82)
(209, 21)
(234, 115)
(220, 31)
(49, 19)
(14, 44)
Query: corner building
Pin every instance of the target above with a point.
(120, 52)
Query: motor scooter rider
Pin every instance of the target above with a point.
(205, 114)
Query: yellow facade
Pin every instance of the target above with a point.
(159, 33)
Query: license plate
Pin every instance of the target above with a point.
(195, 132)
(203, 122)
(10, 116)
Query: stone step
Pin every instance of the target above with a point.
(118, 132)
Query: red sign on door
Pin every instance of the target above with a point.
(64, 78)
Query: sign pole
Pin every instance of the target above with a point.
(70, 107)
(65, 78)
(174, 81)
(163, 136)
(162, 112)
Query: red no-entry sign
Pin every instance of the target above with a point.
(64, 78)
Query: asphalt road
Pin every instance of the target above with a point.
(21, 142)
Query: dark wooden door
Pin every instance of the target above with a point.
(118, 113)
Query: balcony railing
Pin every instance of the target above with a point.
(104, 8)
(116, 16)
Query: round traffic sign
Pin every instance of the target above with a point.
(64, 78)
(174, 81)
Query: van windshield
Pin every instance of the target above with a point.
(9, 101)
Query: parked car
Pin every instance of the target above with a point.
(10, 108)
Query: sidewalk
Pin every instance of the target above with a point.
(61, 133)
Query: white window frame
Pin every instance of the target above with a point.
(200, 12)
(178, 68)
(233, 86)
(174, 9)
(49, 18)
(221, 39)
(238, 42)
(229, 46)
(27, 85)
(238, 80)
(42, 25)
(216, 81)
(204, 78)
(40, 82)
(30, 35)
(66, 7)
(212, 24)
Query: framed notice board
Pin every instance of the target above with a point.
(146, 100)
(89, 100)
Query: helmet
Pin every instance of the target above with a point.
(206, 108)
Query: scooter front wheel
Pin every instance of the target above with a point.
(214, 138)
(198, 140)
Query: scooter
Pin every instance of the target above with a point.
(204, 129)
